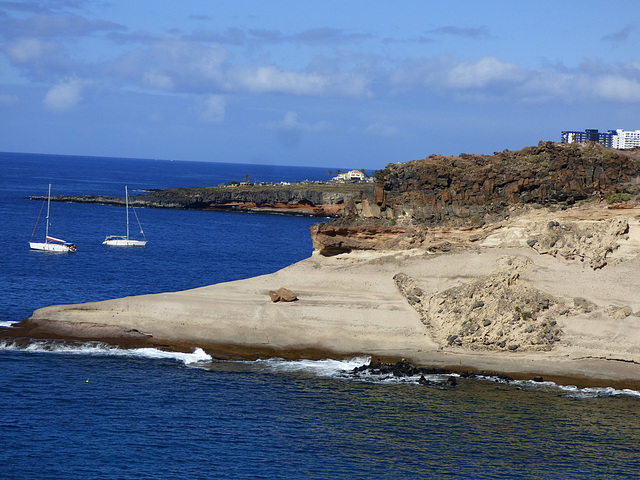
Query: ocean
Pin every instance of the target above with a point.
(94, 412)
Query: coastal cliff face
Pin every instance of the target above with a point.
(475, 190)
(549, 174)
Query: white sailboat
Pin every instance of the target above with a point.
(51, 244)
(125, 241)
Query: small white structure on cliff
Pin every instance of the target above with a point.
(353, 175)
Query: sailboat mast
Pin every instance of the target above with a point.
(46, 235)
(126, 194)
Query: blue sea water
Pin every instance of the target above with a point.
(93, 412)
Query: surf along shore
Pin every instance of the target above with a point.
(538, 291)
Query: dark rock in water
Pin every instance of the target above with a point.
(451, 382)
(538, 379)
(374, 362)
(403, 368)
(484, 374)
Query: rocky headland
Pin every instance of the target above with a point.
(521, 262)
(315, 200)
(473, 191)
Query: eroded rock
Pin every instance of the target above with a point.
(588, 242)
(495, 312)
(282, 295)
(332, 240)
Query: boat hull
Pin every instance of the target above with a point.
(124, 242)
(53, 247)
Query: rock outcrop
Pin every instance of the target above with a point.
(589, 243)
(332, 240)
(496, 312)
(441, 187)
(472, 191)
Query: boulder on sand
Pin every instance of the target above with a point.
(282, 295)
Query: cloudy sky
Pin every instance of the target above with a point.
(335, 83)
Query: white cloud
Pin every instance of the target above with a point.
(64, 96)
(270, 79)
(156, 80)
(290, 121)
(617, 88)
(172, 64)
(212, 109)
(380, 129)
(480, 73)
(489, 79)
(289, 130)
(28, 50)
(579, 85)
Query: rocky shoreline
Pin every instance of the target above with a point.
(495, 304)
(528, 289)
(321, 200)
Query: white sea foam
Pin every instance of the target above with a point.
(342, 369)
(339, 369)
(7, 324)
(322, 368)
(577, 392)
(100, 349)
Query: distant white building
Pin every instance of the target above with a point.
(621, 139)
(350, 176)
(626, 139)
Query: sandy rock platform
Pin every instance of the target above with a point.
(552, 293)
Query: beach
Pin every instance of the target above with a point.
(354, 304)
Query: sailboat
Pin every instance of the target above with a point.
(50, 244)
(125, 241)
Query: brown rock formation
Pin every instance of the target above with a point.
(584, 242)
(282, 295)
(440, 187)
(332, 240)
(495, 312)
(470, 191)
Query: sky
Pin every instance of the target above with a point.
(337, 83)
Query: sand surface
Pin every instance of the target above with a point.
(350, 304)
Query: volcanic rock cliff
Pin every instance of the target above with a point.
(469, 191)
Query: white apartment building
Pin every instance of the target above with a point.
(621, 139)
(626, 139)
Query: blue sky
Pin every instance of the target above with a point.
(348, 84)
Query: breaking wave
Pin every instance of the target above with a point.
(100, 349)
(344, 369)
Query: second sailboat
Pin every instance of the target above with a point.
(125, 241)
